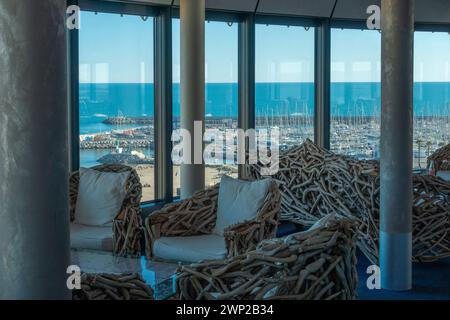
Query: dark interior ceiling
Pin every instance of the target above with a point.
(427, 11)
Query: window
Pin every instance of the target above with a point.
(221, 96)
(355, 92)
(431, 94)
(116, 93)
(284, 78)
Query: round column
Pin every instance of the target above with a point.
(192, 23)
(34, 218)
(397, 19)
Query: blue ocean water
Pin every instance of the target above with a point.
(99, 101)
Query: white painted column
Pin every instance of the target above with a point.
(192, 23)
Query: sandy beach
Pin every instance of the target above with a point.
(212, 177)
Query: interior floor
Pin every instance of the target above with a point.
(430, 280)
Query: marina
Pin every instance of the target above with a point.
(352, 136)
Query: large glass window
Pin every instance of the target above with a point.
(116, 93)
(431, 94)
(285, 82)
(355, 92)
(221, 96)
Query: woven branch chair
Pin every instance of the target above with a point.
(197, 216)
(317, 264)
(127, 226)
(440, 159)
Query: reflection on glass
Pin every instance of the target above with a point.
(116, 94)
(284, 97)
(431, 94)
(355, 93)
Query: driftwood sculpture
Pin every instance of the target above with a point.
(316, 264)
(127, 226)
(315, 182)
(113, 287)
(431, 218)
(440, 159)
(197, 215)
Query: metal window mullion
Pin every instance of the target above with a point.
(322, 84)
(163, 105)
(246, 77)
(74, 95)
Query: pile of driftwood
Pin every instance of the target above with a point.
(317, 264)
(440, 159)
(113, 287)
(315, 182)
(431, 218)
(127, 225)
(197, 215)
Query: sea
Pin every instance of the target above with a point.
(348, 99)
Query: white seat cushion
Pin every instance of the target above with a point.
(89, 237)
(239, 201)
(100, 196)
(445, 175)
(190, 249)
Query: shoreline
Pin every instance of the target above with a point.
(147, 177)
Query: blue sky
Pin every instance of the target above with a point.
(355, 55)
(115, 49)
(119, 49)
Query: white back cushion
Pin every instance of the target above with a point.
(100, 196)
(239, 201)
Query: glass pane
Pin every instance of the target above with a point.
(116, 94)
(176, 96)
(431, 94)
(285, 82)
(355, 92)
(221, 95)
(221, 108)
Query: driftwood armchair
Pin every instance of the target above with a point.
(196, 216)
(316, 264)
(440, 162)
(127, 225)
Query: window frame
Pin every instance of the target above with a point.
(163, 15)
(73, 54)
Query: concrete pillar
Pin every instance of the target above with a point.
(397, 20)
(34, 218)
(192, 23)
